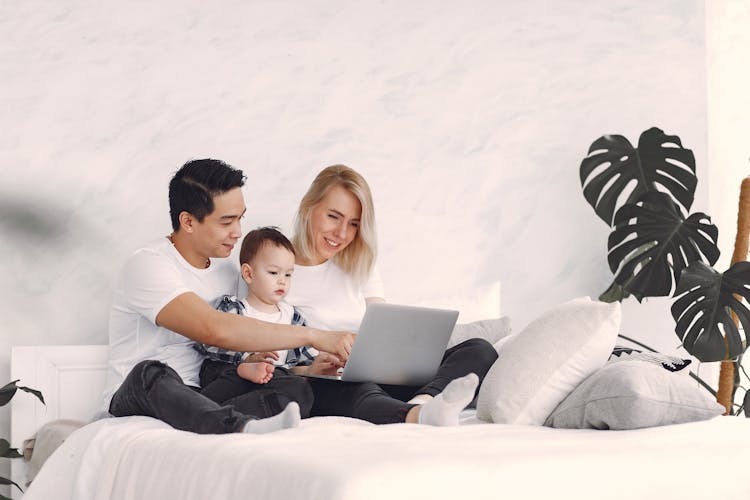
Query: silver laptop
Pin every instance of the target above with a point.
(396, 344)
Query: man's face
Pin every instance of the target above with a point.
(220, 230)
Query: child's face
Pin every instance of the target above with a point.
(269, 275)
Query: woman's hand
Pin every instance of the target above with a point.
(325, 364)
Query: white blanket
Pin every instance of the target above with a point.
(340, 458)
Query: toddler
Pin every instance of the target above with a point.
(267, 263)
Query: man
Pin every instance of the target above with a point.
(163, 301)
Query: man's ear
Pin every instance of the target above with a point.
(186, 221)
(247, 273)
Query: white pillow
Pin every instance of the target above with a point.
(541, 365)
(491, 330)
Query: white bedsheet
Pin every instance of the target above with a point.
(340, 458)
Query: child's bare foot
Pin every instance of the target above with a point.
(260, 373)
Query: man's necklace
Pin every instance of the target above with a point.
(171, 240)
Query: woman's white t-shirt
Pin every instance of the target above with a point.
(331, 299)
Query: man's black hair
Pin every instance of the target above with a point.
(194, 185)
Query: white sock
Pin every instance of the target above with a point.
(445, 407)
(287, 419)
(420, 399)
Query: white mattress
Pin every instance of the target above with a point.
(332, 458)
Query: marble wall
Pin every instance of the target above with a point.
(469, 119)
(728, 72)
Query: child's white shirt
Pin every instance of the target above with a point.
(282, 316)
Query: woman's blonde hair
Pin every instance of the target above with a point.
(358, 258)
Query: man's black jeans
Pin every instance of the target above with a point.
(155, 390)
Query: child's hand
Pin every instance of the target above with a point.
(257, 357)
(258, 372)
(325, 364)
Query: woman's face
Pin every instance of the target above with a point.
(334, 223)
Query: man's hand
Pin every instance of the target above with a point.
(325, 364)
(337, 343)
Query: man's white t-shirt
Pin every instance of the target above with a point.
(152, 277)
(331, 299)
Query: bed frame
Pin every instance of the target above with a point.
(71, 379)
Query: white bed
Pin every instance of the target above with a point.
(339, 458)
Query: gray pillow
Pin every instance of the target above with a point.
(634, 395)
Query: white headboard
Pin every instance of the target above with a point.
(71, 379)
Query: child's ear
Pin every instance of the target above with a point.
(247, 273)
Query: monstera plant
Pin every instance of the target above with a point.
(6, 394)
(657, 249)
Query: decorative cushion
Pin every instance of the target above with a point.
(538, 367)
(634, 395)
(671, 363)
(491, 330)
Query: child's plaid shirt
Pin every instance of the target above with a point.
(299, 356)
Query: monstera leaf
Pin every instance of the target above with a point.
(6, 394)
(9, 390)
(653, 242)
(613, 164)
(702, 310)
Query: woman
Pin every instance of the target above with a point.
(335, 277)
